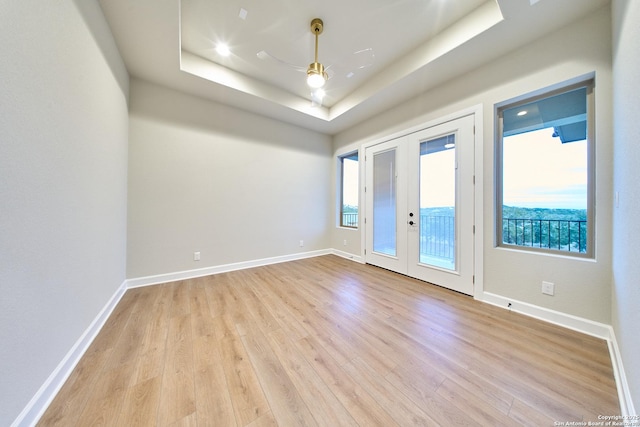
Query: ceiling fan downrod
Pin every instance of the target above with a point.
(316, 76)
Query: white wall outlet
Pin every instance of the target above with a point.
(196, 256)
(344, 242)
(301, 243)
(548, 288)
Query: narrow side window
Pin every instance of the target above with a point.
(545, 170)
(349, 190)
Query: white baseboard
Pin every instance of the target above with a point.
(207, 271)
(347, 255)
(45, 395)
(624, 394)
(586, 326)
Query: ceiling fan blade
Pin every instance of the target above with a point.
(330, 71)
(358, 61)
(364, 58)
(264, 55)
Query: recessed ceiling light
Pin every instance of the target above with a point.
(223, 49)
(522, 113)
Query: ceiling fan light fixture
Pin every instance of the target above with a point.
(316, 76)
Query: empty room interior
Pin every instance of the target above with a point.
(239, 213)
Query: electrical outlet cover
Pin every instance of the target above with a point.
(548, 288)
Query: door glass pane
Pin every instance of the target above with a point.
(438, 202)
(384, 202)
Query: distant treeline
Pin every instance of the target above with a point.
(521, 213)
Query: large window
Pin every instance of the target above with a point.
(545, 172)
(349, 190)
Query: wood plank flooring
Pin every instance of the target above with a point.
(329, 342)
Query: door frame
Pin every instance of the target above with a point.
(478, 206)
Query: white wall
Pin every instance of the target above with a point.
(583, 288)
(63, 160)
(626, 227)
(232, 185)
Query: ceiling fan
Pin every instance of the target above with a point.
(317, 73)
(316, 76)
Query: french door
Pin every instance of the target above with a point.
(420, 204)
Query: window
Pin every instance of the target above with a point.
(545, 172)
(349, 190)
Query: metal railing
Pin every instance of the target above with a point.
(437, 236)
(559, 234)
(350, 219)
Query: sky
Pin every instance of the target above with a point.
(541, 172)
(437, 183)
(350, 178)
(437, 179)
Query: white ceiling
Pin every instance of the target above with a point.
(378, 52)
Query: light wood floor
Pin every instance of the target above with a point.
(329, 342)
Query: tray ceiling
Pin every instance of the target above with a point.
(377, 51)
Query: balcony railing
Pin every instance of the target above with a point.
(558, 234)
(437, 234)
(350, 219)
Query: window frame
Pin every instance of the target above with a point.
(341, 159)
(589, 85)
